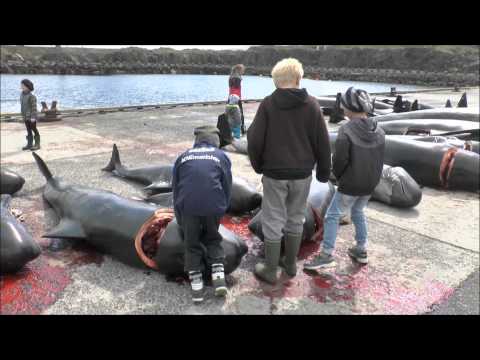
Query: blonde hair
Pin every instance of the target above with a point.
(287, 72)
(238, 69)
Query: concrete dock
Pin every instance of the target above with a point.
(418, 257)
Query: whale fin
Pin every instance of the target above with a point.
(448, 104)
(463, 101)
(414, 106)
(66, 229)
(43, 167)
(159, 188)
(114, 160)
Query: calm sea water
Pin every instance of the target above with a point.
(80, 91)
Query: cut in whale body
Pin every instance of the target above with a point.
(134, 232)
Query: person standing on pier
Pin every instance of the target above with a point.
(287, 138)
(202, 183)
(235, 88)
(28, 105)
(357, 165)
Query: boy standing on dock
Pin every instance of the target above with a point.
(202, 182)
(357, 165)
(287, 138)
(28, 105)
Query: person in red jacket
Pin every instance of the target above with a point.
(235, 87)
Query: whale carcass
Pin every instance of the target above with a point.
(431, 126)
(17, 246)
(465, 114)
(159, 180)
(432, 164)
(134, 232)
(10, 181)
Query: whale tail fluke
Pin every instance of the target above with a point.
(115, 162)
(43, 167)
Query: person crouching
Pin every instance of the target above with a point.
(28, 106)
(234, 115)
(357, 165)
(202, 182)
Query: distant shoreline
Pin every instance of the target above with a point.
(427, 66)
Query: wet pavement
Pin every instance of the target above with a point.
(419, 257)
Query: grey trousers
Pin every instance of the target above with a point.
(283, 206)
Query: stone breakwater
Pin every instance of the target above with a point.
(413, 77)
(426, 65)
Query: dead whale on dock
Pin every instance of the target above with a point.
(17, 246)
(10, 181)
(318, 201)
(397, 188)
(244, 197)
(469, 145)
(444, 114)
(430, 126)
(431, 164)
(158, 178)
(134, 232)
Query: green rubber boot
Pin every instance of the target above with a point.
(37, 143)
(268, 271)
(292, 246)
(29, 143)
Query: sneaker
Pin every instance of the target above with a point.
(359, 256)
(218, 280)
(322, 261)
(196, 282)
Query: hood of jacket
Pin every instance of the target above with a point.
(365, 129)
(289, 98)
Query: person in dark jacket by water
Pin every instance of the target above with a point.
(28, 106)
(202, 183)
(287, 138)
(235, 88)
(357, 166)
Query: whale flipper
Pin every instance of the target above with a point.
(67, 229)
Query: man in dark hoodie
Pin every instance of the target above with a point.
(287, 138)
(202, 183)
(357, 165)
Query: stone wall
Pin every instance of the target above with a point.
(382, 65)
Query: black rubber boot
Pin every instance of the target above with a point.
(289, 261)
(268, 271)
(29, 143)
(37, 143)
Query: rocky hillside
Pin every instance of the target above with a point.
(429, 65)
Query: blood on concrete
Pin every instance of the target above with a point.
(364, 289)
(33, 289)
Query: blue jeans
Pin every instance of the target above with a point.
(339, 206)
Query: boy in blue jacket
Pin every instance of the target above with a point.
(202, 182)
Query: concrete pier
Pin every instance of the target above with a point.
(418, 257)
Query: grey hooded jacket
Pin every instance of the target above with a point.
(358, 157)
